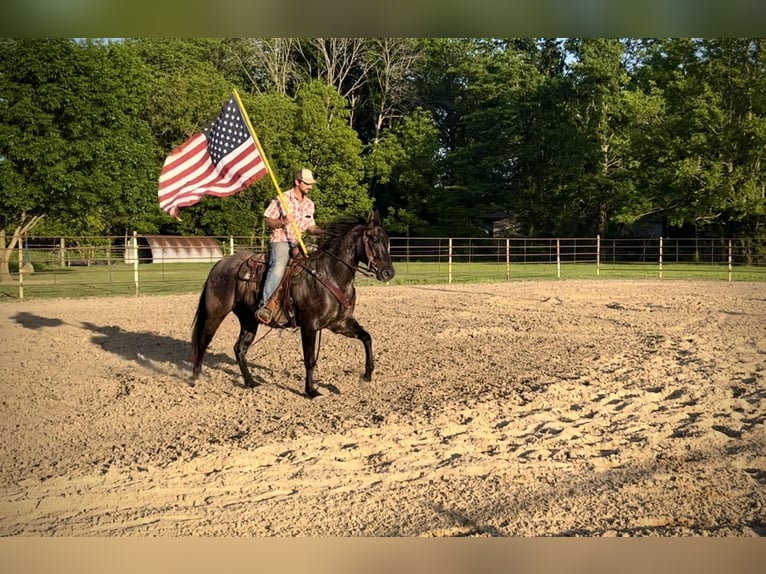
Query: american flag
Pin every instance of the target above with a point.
(221, 160)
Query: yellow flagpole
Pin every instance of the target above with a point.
(281, 196)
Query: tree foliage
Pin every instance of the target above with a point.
(569, 137)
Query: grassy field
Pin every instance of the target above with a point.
(478, 272)
(122, 279)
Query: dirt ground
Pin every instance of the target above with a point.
(559, 408)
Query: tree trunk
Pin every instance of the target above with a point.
(6, 249)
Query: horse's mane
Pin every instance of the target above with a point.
(334, 231)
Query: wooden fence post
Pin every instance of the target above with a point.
(21, 268)
(730, 260)
(449, 262)
(507, 259)
(598, 255)
(660, 257)
(134, 246)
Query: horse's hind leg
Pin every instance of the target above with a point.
(245, 339)
(309, 338)
(248, 326)
(206, 322)
(200, 344)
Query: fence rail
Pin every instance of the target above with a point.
(82, 266)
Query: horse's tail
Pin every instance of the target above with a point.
(200, 340)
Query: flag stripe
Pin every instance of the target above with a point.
(204, 174)
(219, 161)
(183, 155)
(199, 172)
(221, 188)
(178, 167)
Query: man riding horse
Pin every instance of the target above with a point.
(283, 215)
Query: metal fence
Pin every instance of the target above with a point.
(81, 266)
(485, 258)
(583, 250)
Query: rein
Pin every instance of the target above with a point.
(329, 285)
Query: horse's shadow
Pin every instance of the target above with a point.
(34, 322)
(154, 351)
(143, 347)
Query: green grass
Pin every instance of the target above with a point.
(108, 280)
(426, 272)
(171, 278)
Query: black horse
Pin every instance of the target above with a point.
(318, 294)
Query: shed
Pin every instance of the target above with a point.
(173, 249)
(499, 223)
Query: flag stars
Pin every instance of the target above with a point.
(226, 133)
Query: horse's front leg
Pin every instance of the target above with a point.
(309, 337)
(351, 328)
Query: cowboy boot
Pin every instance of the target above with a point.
(271, 309)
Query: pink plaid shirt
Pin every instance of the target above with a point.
(302, 209)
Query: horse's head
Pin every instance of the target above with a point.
(375, 240)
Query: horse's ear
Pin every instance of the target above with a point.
(373, 218)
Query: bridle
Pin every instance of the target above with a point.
(329, 284)
(371, 269)
(372, 265)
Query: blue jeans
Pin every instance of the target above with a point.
(279, 257)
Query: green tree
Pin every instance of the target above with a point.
(448, 88)
(704, 159)
(187, 91)
(600, 106)
(326, 143)
(499, 115)
(74, 148)
(404, 165)
(548, 152)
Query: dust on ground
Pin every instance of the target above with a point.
(558, 408)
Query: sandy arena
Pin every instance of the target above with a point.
(559, 408)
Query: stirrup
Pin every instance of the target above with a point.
(264, 315)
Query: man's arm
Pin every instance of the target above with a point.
(278, 222)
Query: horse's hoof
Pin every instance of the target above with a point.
(313, 394)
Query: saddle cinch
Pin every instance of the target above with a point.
(253, 270)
